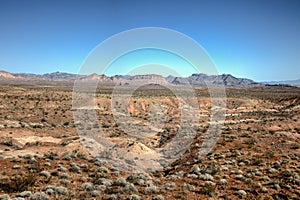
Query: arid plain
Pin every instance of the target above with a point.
(257, 155)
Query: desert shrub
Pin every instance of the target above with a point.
(18, 183)
(256, 161)
(250, 142)
(269, 154)
(295, 146)
(208, 189)
(51, 155)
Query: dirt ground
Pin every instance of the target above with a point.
(256, 156)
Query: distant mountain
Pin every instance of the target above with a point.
(288, 82)
(57, 76)
(126, 77)
(29, 76)
(61, 76)
(4, 74)
(100, 78)
(201, 80)
(147, 78)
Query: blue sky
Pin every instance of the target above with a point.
(258, 39)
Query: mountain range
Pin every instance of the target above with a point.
(288, 82)
(195, 79)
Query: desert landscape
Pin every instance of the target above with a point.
(43, 156)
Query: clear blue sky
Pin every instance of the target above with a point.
(257, 39)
